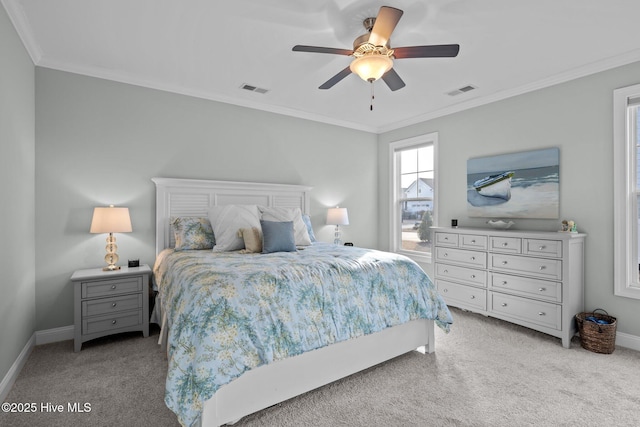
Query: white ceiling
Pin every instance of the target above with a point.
(210, 49)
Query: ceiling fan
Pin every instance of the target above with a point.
(373, 56)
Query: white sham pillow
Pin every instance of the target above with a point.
(227, 220)
(300, 232)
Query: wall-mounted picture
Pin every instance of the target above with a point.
(515, 185)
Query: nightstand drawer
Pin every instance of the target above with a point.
(103, 288)
(99, 306)
(92, 325)
(462, 274)
(538, 312)
(471, 241)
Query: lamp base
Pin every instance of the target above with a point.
(111, 268)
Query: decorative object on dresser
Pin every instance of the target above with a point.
(110, 302)
(531, 278)
(337, 216)
(111, 220)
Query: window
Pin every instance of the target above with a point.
(626, 181)
(413, 195)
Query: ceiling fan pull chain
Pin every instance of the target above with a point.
(372, 97)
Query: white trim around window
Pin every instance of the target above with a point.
(625, 228)
(395, 189)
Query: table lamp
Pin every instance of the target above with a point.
(111, 220)
(337, 216)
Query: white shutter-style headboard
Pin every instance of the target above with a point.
(194, 197)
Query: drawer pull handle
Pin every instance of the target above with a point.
(543, 267)
(504, 304)
(473, 276)
(473, 258)
(542, 313)
(504, 262)
(504, 282)
(446, 238)
(114, 304)
(113, 322)
(473, 241)
(542, 289)
(473, 297)
(446, 254)
(445, 290)
(505, 244)
(113, 287)
(541, 248)
(446, 271)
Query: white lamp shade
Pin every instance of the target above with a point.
(110, 220)
(371, 67)
(337, 216)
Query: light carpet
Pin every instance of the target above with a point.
(486, 372)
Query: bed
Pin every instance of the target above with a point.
(245, 331)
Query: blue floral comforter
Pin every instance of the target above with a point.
(231, 312)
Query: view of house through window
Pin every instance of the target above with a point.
(416, 167)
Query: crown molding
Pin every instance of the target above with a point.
(20, 22)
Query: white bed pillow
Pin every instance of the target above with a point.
(300, 232)
(227, 220)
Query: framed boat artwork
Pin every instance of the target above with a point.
(515, 185)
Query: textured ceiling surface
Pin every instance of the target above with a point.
(211, 49)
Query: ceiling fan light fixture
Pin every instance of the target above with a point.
(370, 67)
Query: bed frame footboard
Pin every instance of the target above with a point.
(274, 383)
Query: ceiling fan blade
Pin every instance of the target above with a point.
(393, 80)
(317, 49)
(335, 79)
(432, 51)
(386, 22)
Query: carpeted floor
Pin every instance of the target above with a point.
(484, 373)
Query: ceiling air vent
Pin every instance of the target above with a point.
(252, 88)
(461, 90)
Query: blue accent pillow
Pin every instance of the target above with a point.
(307, 221)
(277, 236)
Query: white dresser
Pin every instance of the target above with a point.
(532, 278)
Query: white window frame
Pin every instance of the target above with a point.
(395, 214)
(625, 228)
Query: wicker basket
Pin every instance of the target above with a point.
(596, 337)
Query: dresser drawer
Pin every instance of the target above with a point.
(470, 241)
(461, 257)
(447, 239)
(552, 248)
(536, 312)
(92, 325)
(94, 307)
(103, 288)
(461, 274)
(462, 296)
(537, 267)
(512, 245)
(523, 286)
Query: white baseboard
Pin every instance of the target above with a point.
(628, 341)
(14, 371)
(47, 336)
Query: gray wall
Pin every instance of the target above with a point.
(576, 117)
(99, 142)
(17, 206)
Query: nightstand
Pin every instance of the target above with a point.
(110, 302)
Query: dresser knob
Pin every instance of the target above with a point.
(114, 304)
(504, 282)
(541, 248)
(446, 238)
(446, 254)
(445, 290)
(473, 276)
(504, 304)
(505, 244)
(542, 313)
(473, 297)
(473, 241)
(446, 271)
(504, 262)
(542, 289)
(113, 287)
(473, 258)
(113, 322)
(543, 267)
